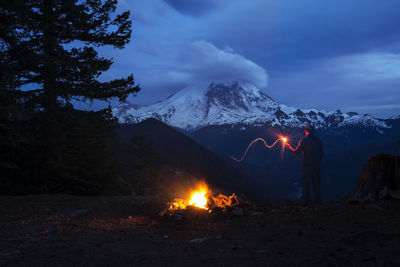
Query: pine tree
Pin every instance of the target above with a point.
(49, 60)
(10, 137)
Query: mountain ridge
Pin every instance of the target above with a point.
(177, 159)
(198, 106)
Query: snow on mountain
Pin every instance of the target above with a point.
(237, 103)
(395, 117)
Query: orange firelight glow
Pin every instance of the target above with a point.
(284, 139)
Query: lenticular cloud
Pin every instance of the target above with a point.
(204, 62)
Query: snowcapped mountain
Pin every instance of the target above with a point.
(395, 117)
(236, 103)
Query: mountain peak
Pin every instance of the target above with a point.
(235, 103)
(235, 96)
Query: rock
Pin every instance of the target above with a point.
(383, 193)
(237, 212)
(202, 239)
(164, 212)
(379, 178)
(77, 213)
(177, 216)
(196, 214)
(395, 194)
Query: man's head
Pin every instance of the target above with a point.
(309, 129)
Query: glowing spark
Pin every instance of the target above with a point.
(199, 200)
(254, 141)
(284, 139)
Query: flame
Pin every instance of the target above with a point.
(199, 195)
(178, 204)
(199, 199)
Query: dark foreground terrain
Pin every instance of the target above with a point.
(60, 230)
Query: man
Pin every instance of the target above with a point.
(312, 150)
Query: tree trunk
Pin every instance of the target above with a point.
(49, 50)
(48, 128)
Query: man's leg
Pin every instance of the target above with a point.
(316, 180)
(305, 180)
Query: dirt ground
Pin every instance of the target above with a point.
(61, 230)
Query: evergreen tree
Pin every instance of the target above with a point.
(48, 60)
(10, 138)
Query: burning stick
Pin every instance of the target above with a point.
(282, 139)
(202, 201)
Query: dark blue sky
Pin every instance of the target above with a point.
(325, 54)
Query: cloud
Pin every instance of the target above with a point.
(199, 62)
(195, 8)
(370, 66)
(366, 83)
(204, 62)
(289, 33)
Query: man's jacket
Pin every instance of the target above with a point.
(312, 149)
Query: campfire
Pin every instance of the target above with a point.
(203, 200)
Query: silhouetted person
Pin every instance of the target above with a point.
(312, 150)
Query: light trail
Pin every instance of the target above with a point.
(283, 139)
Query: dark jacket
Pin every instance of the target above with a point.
(312, 149)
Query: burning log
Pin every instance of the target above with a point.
(202, 203)
(178, 204)
(225, 202)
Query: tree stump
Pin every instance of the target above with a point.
(379, 178)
